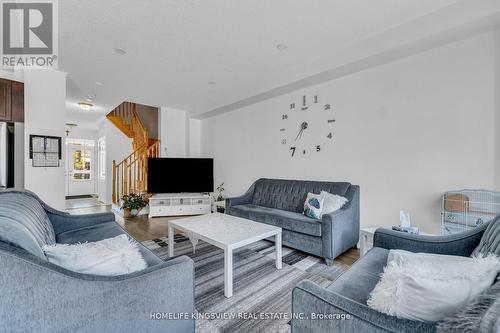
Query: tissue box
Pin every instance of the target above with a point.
(410, 230)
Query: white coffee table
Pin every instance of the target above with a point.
(226, 232)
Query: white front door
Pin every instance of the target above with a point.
(80, 170)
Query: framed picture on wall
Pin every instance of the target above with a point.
(45, 151)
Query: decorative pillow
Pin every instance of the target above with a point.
(429, 287)
(332, 202)
(313, 206)
(112, 256)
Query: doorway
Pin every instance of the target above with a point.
(80, 167)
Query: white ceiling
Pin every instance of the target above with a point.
(174, 48)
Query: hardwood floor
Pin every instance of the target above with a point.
(143, 228)
(348, 258)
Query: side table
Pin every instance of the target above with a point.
(366, 239)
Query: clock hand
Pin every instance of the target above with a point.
(300, 134)
(303, 126)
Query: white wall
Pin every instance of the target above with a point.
(497, 107)
(406, 132)
(118, 146)
(45, 113)
(174, 132)
(194, 138)
(82, 133)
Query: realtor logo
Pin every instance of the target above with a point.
(29, 33)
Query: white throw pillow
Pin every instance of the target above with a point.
(429, 287)
(313, 206)
(332, 202)
(112, 256)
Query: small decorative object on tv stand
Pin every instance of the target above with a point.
(177, 204)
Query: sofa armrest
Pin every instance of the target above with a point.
(310, 300)
(340, 229)
(246, 198)
(461, 244)
(65, 222)
(53, 299)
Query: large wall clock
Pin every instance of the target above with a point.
(307, 126)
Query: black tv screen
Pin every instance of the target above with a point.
(178, 175)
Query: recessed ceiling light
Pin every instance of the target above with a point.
(211, 82)
(281, 47)
(120, 51)
(85, 106)
(99, 83)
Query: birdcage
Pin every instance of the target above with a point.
(466, 209)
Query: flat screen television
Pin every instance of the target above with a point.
(180, 175)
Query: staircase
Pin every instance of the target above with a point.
(130, 175)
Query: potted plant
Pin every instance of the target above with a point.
(219, 200)
(133, 203)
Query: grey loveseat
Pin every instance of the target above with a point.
(37, 296)
(281, 202)
(347, 296)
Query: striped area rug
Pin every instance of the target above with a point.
(262, 299)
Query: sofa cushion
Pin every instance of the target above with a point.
(24, 223)
(483, 313)
(286, 220)
(358, 281)
(290, 195)
(490, 242)
(100, 232)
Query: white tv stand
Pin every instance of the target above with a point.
(177, 204)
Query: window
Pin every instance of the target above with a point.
(82, 159)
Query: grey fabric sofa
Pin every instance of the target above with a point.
(347, 296)
(38, 296)
(281, 202)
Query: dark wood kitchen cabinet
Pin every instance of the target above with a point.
(5, 103)
(11, 101)
(17, 102)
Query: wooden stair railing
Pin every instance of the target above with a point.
(130, 175)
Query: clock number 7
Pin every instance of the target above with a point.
(293, 150)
